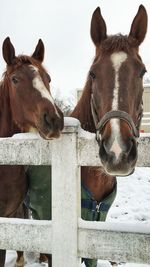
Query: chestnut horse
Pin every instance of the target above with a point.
(25, 104)
(111, 104)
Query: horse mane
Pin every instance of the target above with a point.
(116, 43)
(5, 110)
(82, 111)
(21, 60)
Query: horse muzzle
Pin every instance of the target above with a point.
(50, 127)
(120, 161)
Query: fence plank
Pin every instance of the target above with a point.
(114, 242)
(64, 200)
(22, 151)
(26, 235)
(91, 158)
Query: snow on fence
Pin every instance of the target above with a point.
(68, 237)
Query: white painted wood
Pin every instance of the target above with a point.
(88, 152)
(114, 242)
(25, 151)
(144, 152)
(26, 235)
(38, 151)
(65, 203)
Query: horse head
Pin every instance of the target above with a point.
(116, 92)
(32, 104)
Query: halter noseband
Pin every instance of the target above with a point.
(119, 114)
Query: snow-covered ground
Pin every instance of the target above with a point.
(132, 205)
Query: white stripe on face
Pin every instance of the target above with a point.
(40, 86)
(117, 60)
(116, 137)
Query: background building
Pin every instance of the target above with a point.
(146, 104)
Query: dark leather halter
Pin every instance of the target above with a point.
(119, 114)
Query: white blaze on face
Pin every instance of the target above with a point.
(117, 59)
(116, 137)
(39, 85)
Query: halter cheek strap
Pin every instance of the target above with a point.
(119, 114)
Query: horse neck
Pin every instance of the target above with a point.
(82, 111)
(8, 127)
(93, 178)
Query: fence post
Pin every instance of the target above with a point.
(65, 201)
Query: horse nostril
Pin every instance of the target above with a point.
(132, 153)
(53, 123)
(131, 144)
(103, 150)
(47, 119)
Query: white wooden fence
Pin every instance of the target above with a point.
(68, 237)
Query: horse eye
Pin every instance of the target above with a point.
(48, 77)
(15, 80)
(92, 74)
(142, 72)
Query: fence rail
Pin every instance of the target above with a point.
(36, 151)
(67, 237)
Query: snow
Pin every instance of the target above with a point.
(132, 202)
(126, 227)
(68, 121)
(85, 134)
(131, 206)
(27, 136)
(25, 222)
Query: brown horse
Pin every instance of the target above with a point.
(111, 103)
(25, 104)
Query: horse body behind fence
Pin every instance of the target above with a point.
(25, 103)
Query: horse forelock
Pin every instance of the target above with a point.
(20, 61)
(117, 43)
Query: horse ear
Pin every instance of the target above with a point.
(39, 51)
(98, 27)
(139, 26)
(8, 51)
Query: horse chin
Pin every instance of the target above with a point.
(114, 171)
(32, 129)
(49, 135)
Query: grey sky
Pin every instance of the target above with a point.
(64, 28)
